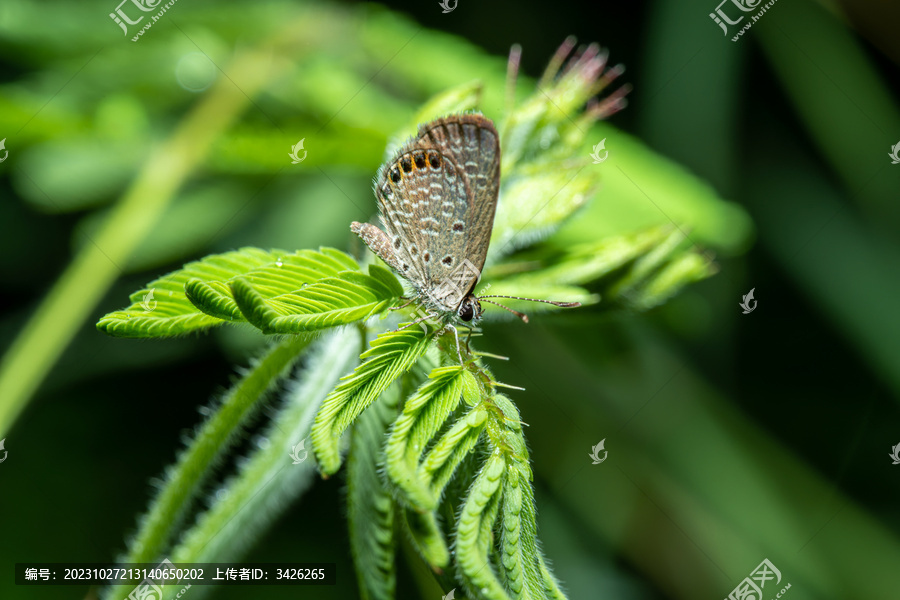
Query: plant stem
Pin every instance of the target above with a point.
(98, 263)
(269, 481)
(212, 441)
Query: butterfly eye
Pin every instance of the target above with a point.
(406, 164)
(466, 312)
(420, 160)
(395, 175)
(434, 159)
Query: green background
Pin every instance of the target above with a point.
(731, 437)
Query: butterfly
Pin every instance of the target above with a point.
(437, 197)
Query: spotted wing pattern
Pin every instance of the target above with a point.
(473, 145)
(437, 199)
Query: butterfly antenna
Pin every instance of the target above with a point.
(523, 316)
(515, 312)
(553, 302)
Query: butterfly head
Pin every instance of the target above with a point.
(469, 309)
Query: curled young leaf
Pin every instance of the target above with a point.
(474, 531)
(389, 356)
(423, 415)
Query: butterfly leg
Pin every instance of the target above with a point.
(456, 335)
(411, 300)
(416, 322)
(468, 337)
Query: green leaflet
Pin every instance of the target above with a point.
(389, 356)
(449, 451)
(423, 415)
(668, 280)
(534, 205)
(579, 264)
(640, 270)
(660, 273)
(426, 536)
(161, 309)
(268, 481)
(346, 298)
(511, 552)
(270, 286)
(546, 580)
(282, 275)
(518, 539)
(474, 531)
(370, 506)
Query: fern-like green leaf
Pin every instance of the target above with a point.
(512, 550)
(579, 264)
(426, 535)
(281, 275)
(661, 272)
(340, 300)
(442, 460)
(423, 415)
(371, 510)
(390, 355)
(534, 205)
(162, 309)
(546, 580)
(670, 278)
(474, 537)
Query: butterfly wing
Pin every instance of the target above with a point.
(471, 142)
(411, 190)
(437, 198)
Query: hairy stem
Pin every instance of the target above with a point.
(269, 481)
(213, 439)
